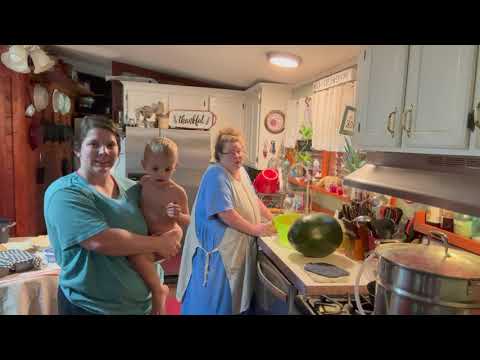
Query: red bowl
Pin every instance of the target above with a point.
(267, 182)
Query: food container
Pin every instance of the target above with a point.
(424, 279)
(267, 182)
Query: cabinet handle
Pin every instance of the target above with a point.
(408, 119)
(390, 126)
(477, 120)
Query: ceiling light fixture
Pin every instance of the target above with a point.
(285, 60)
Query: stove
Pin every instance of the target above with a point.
(332, 305)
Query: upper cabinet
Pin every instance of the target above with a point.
(381, 75)
(188, 102)
(439, 96)
(415, 98)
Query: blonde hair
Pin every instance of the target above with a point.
(227, 135)
(161, 145)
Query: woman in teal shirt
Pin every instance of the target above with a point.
(94, 222)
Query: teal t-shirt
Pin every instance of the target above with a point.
(75, 211)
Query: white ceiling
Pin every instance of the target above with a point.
(235, 66)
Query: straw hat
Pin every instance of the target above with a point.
(40, 97)
(16, 59)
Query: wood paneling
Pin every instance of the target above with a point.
(7, 193)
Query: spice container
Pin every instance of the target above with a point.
(447, 220)
(463, 225)
(433, 216)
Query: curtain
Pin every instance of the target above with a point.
(328, 107)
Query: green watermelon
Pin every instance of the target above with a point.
(315, 235)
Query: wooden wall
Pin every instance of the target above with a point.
(18, 192)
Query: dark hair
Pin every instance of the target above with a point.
(90, 122)
(224, 136)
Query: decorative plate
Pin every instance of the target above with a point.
(275, 122)
(57, 100)
(40, 97)
(66, 105)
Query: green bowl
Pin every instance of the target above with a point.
(282, 224)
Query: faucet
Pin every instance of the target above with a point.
(307, 207)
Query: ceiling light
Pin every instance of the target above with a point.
(284, 59)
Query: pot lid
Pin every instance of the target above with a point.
(431, 259)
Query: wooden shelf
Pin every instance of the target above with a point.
(465, 243)
(57, 76)
(318, 189)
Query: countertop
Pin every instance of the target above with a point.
(291, 263)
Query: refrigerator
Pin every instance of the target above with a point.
(194, 156)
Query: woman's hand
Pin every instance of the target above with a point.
(265, 229)
(169, 243)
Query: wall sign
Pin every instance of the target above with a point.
(334, 80)
(191, 119)
(275, 121)
(348, 121)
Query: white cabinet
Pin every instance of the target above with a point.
(475, 143)
(229, 112)
(423, 109)
(260, 100)
(188, 102)
(381, 79)
(439, 96)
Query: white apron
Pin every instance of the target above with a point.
(238, 250)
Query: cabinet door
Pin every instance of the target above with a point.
(476, 105)
(188, 102)
(439, 96)
(381, 79)
(228, 112)
(252, 115)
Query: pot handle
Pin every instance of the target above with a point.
(9, 226)
(357, 282)
(437, 235)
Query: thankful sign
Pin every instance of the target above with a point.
(191, 119)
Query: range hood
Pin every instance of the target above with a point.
(448, 182)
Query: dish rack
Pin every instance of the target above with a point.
(272, 200)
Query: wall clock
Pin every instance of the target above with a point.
(275, 122)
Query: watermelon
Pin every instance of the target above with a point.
(315, 235)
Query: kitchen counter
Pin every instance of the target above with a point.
(290, 262)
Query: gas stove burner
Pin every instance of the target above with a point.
(326, 305)
(336, 305)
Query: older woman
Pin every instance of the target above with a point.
(217, 271)
(93, 223)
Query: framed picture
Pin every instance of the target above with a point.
(348, 121)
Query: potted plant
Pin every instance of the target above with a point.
(305, 143)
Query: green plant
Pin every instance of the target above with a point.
(306, 132)
(353, 158)
(304, 157)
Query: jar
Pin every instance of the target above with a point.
(462, 225)
(447, 220)
(434, 216)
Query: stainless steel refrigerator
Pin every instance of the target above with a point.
(194, 156)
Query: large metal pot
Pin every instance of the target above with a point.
(418, 279)
(5, 225)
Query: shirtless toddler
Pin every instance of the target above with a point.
(165, 205)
